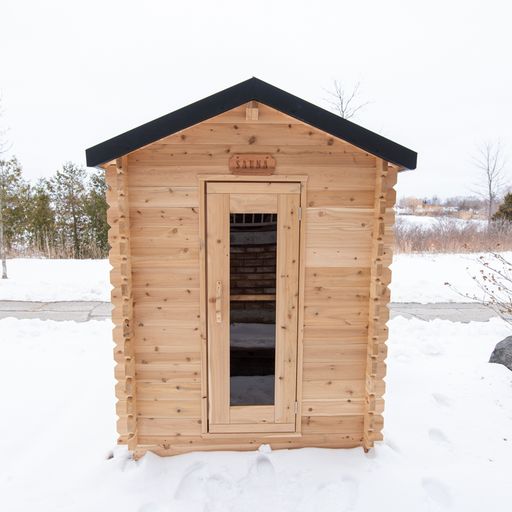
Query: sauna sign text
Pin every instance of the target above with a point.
(252, 164)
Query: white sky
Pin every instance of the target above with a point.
(438, 73)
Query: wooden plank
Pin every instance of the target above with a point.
(168, 312)
(246, 297)
(261, 187)
(167, 446)
(181, 154)
(348, 219)
(217, 243)
(178, 389)
(174, 409)
(338, 277)
(362, 199)
(252, 414)
(265, 114)
(166, 372)
(252, 134)
(339, 370)
(167, 217)
(342, 425)
(378, 312)
(253, 203)
(122, 313)
(333, 389)
(251, 427)
(155, 278)
(335, 407)
(169, 426)
(203, 307)
(287, 274)
(330, 296)
(348, 241)
(347, 334)
(152, 331)
(149, 295)
(334, 257)
(351, 315)
(355, 177)
(330, 352)
(163, 197)
(165, 237)
(300, 306)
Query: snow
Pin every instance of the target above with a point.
(448, 434)
(416, 278)
(426, 222)
(422, 277)
(56, 280)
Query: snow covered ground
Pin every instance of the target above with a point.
(426, 222)
(422, 277)
(416, 278)
(448, 434)
(55, 280)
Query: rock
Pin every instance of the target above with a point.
(502, 353)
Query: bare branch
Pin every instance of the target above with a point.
(491, 161)
(344, 101)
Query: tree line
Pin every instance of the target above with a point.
(64, 216)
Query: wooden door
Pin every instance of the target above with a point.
(252, 253)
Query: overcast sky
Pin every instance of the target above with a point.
(438, 73)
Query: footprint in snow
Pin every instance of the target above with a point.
(437, 435)
(432, 349)
(340, 496)
(191, 486)
(219, 490)
(441, 399)
(265, 468)
(391, 444)
(437, 492)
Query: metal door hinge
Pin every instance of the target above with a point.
(296, 408)
(300, 212)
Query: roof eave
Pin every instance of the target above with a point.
(232, 97)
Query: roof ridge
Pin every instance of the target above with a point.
(236, 95)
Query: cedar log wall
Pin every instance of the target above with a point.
(349, 222)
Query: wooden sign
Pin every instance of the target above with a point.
(252, 164)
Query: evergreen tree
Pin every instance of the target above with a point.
(14, 202)
(505, 209)
(41, 219)
(68, 193)
(96, 211)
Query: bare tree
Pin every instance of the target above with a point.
(491, 161)
(3, 149)
(346, 101)
(494, 282)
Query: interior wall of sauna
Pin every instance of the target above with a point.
(164, 217)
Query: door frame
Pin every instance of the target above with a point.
(203, 179)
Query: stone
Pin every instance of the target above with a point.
(502, 353)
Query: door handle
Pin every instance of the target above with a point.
(218, 302)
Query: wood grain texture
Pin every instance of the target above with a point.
(122, 299)
(378, 305)
(345, 210)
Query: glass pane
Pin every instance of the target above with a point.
(253, 242)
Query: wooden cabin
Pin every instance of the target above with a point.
(251, 237)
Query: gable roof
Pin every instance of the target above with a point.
(232, 97)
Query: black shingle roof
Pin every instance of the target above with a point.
(257, 90)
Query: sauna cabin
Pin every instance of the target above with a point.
(251, 235)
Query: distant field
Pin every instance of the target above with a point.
(422, 234)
